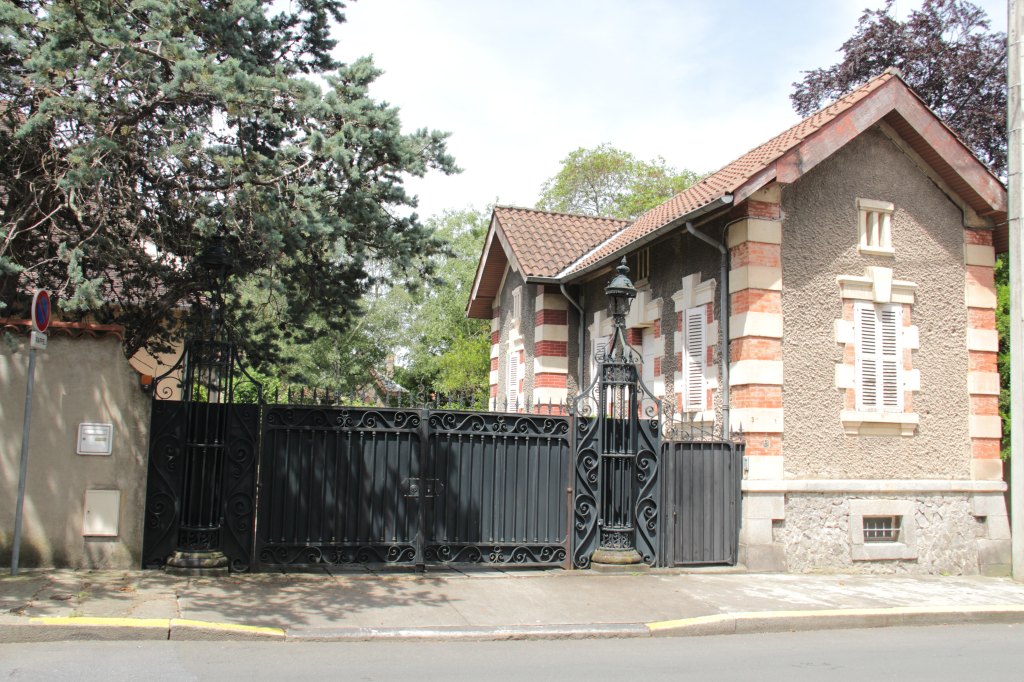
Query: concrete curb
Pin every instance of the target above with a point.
(481, 633)
(110, 629)
(834, 619)
(71, 628)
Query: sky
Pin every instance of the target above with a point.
(521, 84)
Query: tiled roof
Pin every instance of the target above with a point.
(566, 247)
(546, 243)
(72, 329)
(730, 177)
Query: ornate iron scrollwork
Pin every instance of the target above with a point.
(616, 469)
(202, 461)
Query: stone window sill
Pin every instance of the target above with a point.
(879, 423)
(877, 251)
(882, 551)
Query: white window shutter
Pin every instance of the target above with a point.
(513, 381)
(598, 352)
(694, 356)
(890, 359)
(647, 357)
(867, 357)
(879, 358)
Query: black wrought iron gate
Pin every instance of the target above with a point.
(616, 509)
(236, 483)
(200, 490)
(348, 485)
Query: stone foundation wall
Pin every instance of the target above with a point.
(947, 535)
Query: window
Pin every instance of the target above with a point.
(517, 306)
(598, 351)
(651, 361)
(640, 265)
(882, 528)
(514, 375)
(694, 359)
(874, 227)
(879, 377)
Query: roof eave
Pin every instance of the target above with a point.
(710, 207)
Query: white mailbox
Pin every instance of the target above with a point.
(95, 439)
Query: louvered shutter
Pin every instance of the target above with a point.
(694, 354)
(600, 350)
(879, 380)
(513, 381)
(647, 357)
(890, 359)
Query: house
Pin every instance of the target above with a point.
(828, 295)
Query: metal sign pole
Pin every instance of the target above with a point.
(16, 550)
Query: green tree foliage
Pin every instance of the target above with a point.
(132, 131)
(946, 53)
(1003, 358)
(438, 349)
(606, 181)
(446, 351)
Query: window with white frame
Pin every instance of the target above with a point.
(514, 375)
(599, 347)
(640, 265)
(694, 359)
(517, 305)
(649, 351)
(879, 358)
(874, 227)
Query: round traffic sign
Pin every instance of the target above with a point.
(41, 310)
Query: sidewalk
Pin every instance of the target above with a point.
(59, 605)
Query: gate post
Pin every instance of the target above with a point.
(421, 492)
(616, 505)
(202, 463)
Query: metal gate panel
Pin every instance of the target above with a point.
(163, 481)
(704, 496)
(338, 486)
(239, 485)
(498, 488)
(616, 465)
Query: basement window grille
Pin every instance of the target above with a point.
(882, 528)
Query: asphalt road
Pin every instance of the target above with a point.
(966, 652)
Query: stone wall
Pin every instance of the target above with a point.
(816, 535)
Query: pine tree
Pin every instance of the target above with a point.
(132, 132)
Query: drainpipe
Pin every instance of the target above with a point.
(723, 326)
(580, 334)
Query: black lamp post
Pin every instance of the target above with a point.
(617, 435)
(217, 264)
(207, 393)
(620, 293)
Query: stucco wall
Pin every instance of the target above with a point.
(819, 243)
(76, 380)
